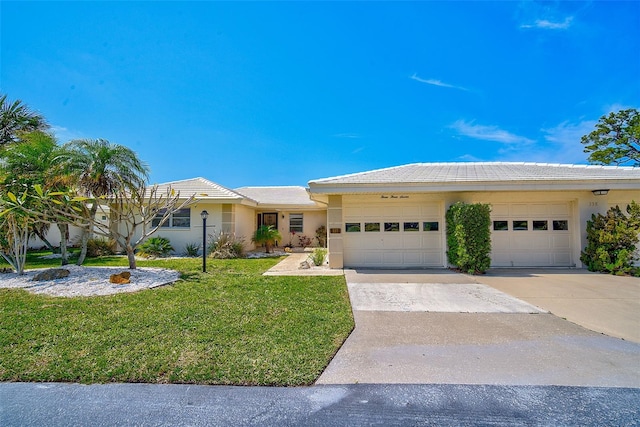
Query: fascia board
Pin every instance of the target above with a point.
(612, 184)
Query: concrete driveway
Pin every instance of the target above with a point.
(443, 327)
(600, 302)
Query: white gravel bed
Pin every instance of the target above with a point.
(90, 281)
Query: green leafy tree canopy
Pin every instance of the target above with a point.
(616, 139)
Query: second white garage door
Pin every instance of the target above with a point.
(393, 236)
(531, 235)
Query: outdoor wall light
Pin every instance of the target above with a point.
(204, 215)
(600, 192)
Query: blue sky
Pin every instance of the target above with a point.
(262, 93)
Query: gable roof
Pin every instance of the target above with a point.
(203, 190)
(483, 175)
(291, 196)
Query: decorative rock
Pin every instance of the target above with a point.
(51, 274)
(6, 270)
(304, 265)
(120, 278)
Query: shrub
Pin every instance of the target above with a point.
(225, 246)
(321, 236)
(155, 247)
(612, 241)
(266, 235)
(469, 237)
(100, 247)
(192, 249)
(304, 241)
(318, 256)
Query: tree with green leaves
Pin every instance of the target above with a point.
(100, 169)
(266, 235)
(616, 139)
(612, 241)
(16, 118)
(34, 159)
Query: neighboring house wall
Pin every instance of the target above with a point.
(53, 236)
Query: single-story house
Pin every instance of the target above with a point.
(241, 212)
(395, 217)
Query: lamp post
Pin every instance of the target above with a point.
(204, 215)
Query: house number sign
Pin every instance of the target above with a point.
(335, 230)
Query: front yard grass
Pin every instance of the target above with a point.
(230, 325)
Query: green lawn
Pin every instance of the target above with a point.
(230, 325)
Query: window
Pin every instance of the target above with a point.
(540, 225)
(371, 226)
(520, 225)
(500, 225)
(352, 227)
(411, 226)
(560, 225)
(295, 223)
(179, 219)
(391, 226)
(430, 226)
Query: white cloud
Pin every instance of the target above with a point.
(347, 135)
(545, 24)
(488, 133)
(435, 82)
(63, 134)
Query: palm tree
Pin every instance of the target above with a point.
(15, 119)
(266, 235)
(100, 168)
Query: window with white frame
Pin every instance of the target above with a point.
(295, 223)
(178, 219)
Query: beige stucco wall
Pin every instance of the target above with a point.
(245, 224)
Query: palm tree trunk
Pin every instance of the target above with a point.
(86, 235)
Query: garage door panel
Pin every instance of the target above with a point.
(392, 242)
(559, 209)
(411, 212)
(562, 241)
(412, 242)
(405, 248)
(392, 212)
(531, 248)
(392, 258)
(372, 258)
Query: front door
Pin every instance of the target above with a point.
(267, 219)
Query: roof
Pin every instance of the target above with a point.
(461, 176)
(278, 196)
(202, 188)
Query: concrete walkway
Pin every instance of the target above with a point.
(413, 342)
(290, 266)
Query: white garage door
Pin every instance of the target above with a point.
(393, 236)
(531, 235)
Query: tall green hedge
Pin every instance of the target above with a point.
(612, 240)
(469, 237)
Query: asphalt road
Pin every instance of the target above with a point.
(54, 404)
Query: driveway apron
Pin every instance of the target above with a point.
(438, 326)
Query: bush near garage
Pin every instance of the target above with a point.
(612, 241)
(469, 237)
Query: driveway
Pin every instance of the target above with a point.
(600, 302)
(443, 327)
